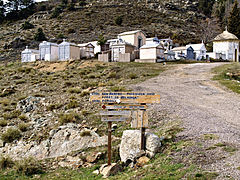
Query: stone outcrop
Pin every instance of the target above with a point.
(130, 145)
(29, 104)
(64, 140)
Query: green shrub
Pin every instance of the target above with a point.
(75, 90)
(28, 167)
(6, 162)
(40, 36)
(51, 107)
(84, 93)
(23, 117)
(132, 76)
(10, 135)
(70, 31)
(3, 123)
(11, 115)
(117, 88)
(23, 127)
(56, 12)
(119, 20)
(27, 25)
(72, 104)
(85, 133)
(68, 118)
(112, 75)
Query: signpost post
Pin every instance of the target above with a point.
(122, 105)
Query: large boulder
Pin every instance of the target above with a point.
(64, 140)
(130, 145)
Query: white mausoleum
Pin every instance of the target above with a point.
(48, 51)
(68, 51)
(30, 55)
(226, 47)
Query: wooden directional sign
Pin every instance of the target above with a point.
(125, 97)
(114, 119)
(126, 107)
(115, 113)
(139, 119)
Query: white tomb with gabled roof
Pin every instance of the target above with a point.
(48, 51)
(68, 51)
(29, 55)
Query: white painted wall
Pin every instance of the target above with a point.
(226, 48)
(149, 53)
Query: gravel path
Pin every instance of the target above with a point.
(204, 106)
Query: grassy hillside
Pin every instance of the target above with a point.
(163, 19)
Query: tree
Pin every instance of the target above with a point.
(40, 36)
(101, 42)
(2, 11)
(233, 20)
(205, 6)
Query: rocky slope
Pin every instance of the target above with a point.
(176, 19)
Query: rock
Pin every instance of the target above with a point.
(130, 145)
(71, 162)
(113, 169)
(67, 140)
(142, 161)
(96, 172)
(29, 104)
(93, 157)
(1, 143)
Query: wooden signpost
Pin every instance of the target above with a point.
(121, 106)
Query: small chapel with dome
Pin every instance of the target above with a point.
(226, 47)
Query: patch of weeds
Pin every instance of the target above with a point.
(85, 133)
(211, 148)
(11, 115)
(28, 167)
(238, 168)
(209, 137)
(206, 175)
(10, 135)
(3, 122)
(72, 104)
(23, 127)
(67, 118)
(39, 95)
(229, 149)
(85, 112)
(132, 76)
(74, 90)
(84, 93)
(51, 107)
(6, 162)
(87, 84)
(23, 117)
(220, 145)
(112, 75)
(5, 102)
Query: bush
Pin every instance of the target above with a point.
(119, 20)
(6, 162)
(70, 31)
(27, 25)
(40, 36)
(85, 133)
(51, 107)
(132, 76)
(57, 11)
(72, 104)
(23, 117)
(10, 135)
(28, 167)
(68, 118)
(74, 90)
(23, 127)
(3, 123)
(11, 115)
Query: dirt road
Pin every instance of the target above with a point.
(204, 106)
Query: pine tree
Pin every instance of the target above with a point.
(2, 11)
(40, 36)
(233, 20)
